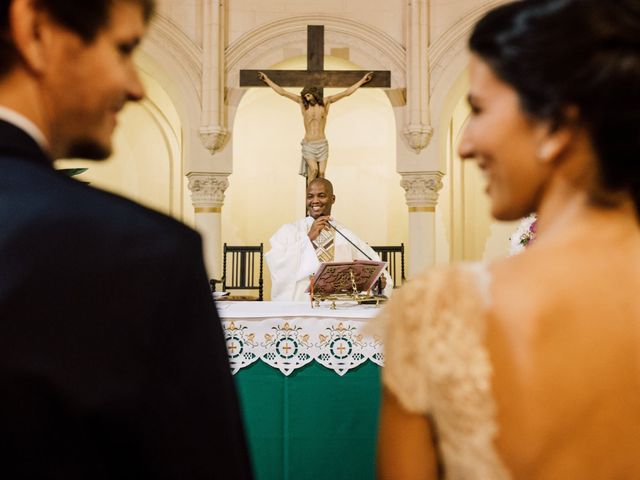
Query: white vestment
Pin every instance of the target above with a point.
(292, 259)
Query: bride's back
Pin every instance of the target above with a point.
(563, 335)
(544, 381)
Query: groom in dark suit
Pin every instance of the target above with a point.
(112, 359)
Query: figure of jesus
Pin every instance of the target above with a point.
(315, 148)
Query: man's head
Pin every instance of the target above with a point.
(311, 96)
(67, 65)
(320, 197)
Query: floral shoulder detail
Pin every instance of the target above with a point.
(423, 320)
(436, 364)
(524, 235)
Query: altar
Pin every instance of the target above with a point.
(308, 381)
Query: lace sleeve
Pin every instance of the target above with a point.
(436, 363)
(421, 325)
(402, 328)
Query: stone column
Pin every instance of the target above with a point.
(421, 191)
(207, 195)
(213, 131)
(417, 131)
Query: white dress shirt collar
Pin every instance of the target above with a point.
(23, 123)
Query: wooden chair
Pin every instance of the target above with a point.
(393, 254)
(241, 272)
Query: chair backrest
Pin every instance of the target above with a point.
(394, 256)
(242, 268)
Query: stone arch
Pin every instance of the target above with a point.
(449, 59)
(266, 44)
(449, 87)
(280, 40)
(145, 164)
(167, 45)
(277, 41)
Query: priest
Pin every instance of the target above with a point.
(298, 248)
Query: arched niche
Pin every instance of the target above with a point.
(265, 190)
(465, 229)
(146, 164)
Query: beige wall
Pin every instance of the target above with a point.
(266, 191)
(387, 15)
(186, 15)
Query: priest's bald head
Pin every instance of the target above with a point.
(67, 67)
(320, 197)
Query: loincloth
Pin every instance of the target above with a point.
(317, 150)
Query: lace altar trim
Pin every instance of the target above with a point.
(288, 344)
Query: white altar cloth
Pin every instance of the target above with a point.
(289, 335)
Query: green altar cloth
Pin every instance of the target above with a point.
(313, 424)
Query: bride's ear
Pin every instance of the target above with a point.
(554, 140)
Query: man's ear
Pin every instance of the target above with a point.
(30, 27)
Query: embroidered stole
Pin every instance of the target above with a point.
(324, 245)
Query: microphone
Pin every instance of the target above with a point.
(345, 237)
(379, 282)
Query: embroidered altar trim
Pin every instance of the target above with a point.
(288, 344)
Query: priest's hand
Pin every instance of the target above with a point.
(319, 224)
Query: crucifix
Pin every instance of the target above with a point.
(313, 105)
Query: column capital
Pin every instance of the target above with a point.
(214, 138)
(418, 136)
(421, 189)
(207, 190)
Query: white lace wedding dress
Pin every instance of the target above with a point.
(437, 365)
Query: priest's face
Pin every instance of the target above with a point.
(86, 84)
(320, 198)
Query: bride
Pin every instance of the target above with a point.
(529, 367)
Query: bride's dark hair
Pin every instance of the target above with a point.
(582, 53)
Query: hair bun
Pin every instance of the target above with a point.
(585, 53)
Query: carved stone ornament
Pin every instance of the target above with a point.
(214, 138)
(418, 136)
(421, 189)
(207, 189)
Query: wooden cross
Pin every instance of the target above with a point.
(315, 74)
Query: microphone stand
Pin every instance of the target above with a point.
(379, 282)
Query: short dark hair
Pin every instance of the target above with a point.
(315, 91)
(581, 53)
(84, 17)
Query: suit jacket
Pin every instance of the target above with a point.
(112, 358)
